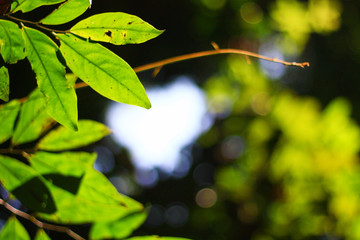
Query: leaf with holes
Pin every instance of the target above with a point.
(50, 73)
(116, 28)
(104, 71)
(12, 43)
(67, 12)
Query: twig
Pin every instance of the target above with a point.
(161, 63)
(40, 224)
(35, 24)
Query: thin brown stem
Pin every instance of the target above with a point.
(214, 52)
(40, 224)
(35, 24)
(184, 57)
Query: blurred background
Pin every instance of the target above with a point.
(233, 147)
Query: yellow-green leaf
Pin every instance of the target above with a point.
(118, 229)
(12, 43)
(8, 114)
(81, 193)
(33, 119)
(41, 235)
(116, 28)
(26, 185)
(104, 71)
(28, 5)
(63, 138)
(50, 73)
(66, 12)
(14, 230)
(4, 84)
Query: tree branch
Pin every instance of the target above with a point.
(161, 63)
(40, 224)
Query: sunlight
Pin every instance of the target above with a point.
(156, 137)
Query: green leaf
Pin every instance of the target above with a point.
(81, 193)
(63, 139)
(26, 185)
(4, 84)
(29, 5)
(50, 73)
(8, 114)
(41, 235)
(14, 230)
(104, 71)
(12, 42)
(33, 119)
(116, 28)
(118, 229)
(156, 238)
(68, 11)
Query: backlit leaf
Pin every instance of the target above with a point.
(14, 230)
(68, 11)
(4, 84)
(28, 5)
(116, 28)
(41, 235)
(81, 193)
(8, 114)
(118, 229)
(50, 73)
(26, 185)
(12, 43)
(63, 138)
(104, 71)
(33, 119)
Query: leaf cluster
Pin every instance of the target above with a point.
(56, 182)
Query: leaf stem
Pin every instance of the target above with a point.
(35, 24)
(40, 224)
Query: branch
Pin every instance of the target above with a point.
(35, 24)
(40, 224)
(161, 63)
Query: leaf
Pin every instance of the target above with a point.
(29, 5)
(50, 73)
(67, 12)
(156, 238)
(81, 193)
(118, 229)
(8, 114)
(116, 28)
(63, 139)
(14, 230)
(104, 71)
(26, 185)
(4, 84)
(33, 119)
(12, 42)
(41, 235)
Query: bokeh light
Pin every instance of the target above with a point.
(206, 198)
(251, 13)
(156, 137)
(176, 215)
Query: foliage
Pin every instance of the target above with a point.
(55, 184)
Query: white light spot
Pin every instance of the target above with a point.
(156, 137)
